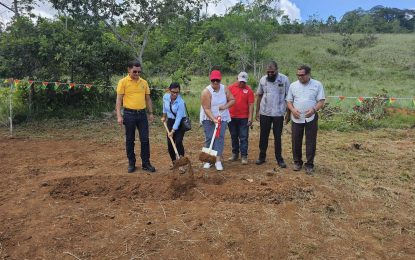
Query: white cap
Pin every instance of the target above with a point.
(243, 76)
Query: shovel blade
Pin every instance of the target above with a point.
(210, 152)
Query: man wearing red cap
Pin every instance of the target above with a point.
(241, 115)
(216, 100)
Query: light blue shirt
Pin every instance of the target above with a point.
(273, 95)
(305, 97)
(177, 107)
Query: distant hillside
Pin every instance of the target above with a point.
(378, 19)
(351, 65)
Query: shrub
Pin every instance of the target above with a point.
(369, 111)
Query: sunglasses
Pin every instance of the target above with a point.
(174, 92)
(136, 71)
(215, 80)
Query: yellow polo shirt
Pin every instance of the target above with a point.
(134, 92)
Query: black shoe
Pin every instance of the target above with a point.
(309, 171)
(297, 167)
(131, 168)
(148, 167)
(282, 164)
(259, 161)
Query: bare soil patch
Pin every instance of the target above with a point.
(66, 194)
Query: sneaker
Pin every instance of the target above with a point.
(282, 164)
(297, 167)
(309, 171)
(148, 167)
(233, 158)
(259, 161)
(244, 160)
(131, 168)
(207, 165)
(218, 166)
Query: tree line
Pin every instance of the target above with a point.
(91, 40)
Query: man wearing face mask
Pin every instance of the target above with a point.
(270, 110)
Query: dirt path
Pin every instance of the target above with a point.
(67, 195)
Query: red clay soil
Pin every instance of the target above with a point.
(72, 198)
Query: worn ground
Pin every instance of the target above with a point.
(65, 194)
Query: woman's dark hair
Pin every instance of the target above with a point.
(174, 85)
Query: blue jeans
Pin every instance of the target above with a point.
(239, 130)
(133, 120)
(219, 143)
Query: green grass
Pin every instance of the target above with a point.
(386, 66)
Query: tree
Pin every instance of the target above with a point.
(313, 25)
(130, 20)
(252, 26)
(331, 24)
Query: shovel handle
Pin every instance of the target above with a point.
(213, 137)
(171, 140)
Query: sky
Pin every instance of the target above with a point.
(296, 9)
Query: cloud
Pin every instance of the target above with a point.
(45, 10)
(221, 8)
(290, 9)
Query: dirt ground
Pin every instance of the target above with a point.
(65, 194)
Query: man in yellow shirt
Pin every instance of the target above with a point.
(133, 94)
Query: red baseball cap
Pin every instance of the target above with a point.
(215, 74)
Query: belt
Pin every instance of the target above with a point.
(134, 110)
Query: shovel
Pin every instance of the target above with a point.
(207, 154)
(179, 161)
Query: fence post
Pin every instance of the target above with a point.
(11, 107)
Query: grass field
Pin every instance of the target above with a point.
(386, 66)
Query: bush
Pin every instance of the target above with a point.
(369, 111)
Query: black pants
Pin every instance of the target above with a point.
(177, 138)
(277, 123)
(310, 129)
(133, 120)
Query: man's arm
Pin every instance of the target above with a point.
(293, 110)
(314, 109)
(319, 105)
(230, 100)
(258, 106)
(251, 113)
(149, 105)
(118, 105)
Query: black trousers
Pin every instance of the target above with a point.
(177, 138)
(277, 123)
(310, 129)
(133, 120)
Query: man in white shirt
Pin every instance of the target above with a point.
(305, 97)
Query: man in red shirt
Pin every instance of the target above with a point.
(241, 115)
